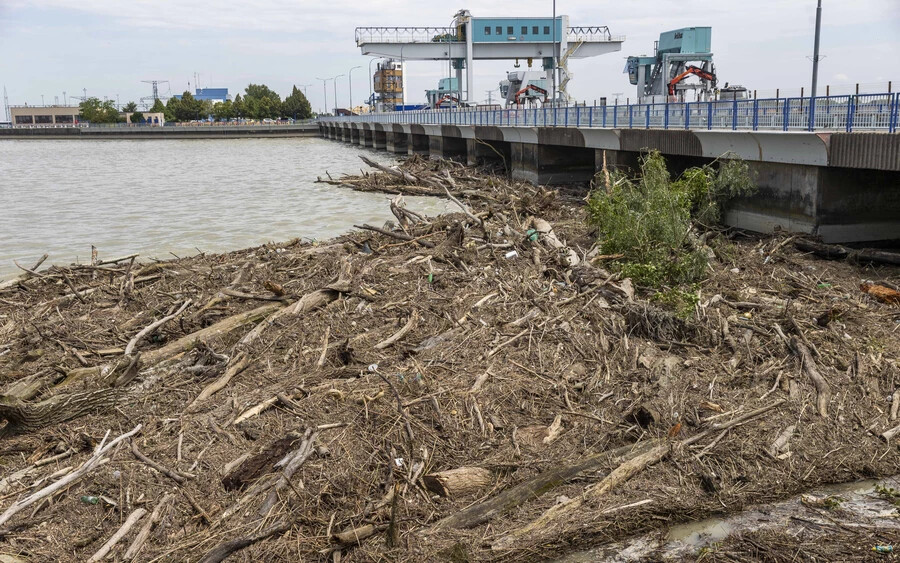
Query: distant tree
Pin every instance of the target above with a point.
(296, 106)
(172, 108)
(260, 102)
(130, 107)
(223, 111)
(158, 106)
(95, 111)
(206, 109)
(188, 108)
(137, 117)
(237, 107)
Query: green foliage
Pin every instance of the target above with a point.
(237, 107)
(296, 106)
(682, 302)
(223, 111)
(260, 102)
(649, 219)
(95, 111)
(158, 107)
(889, 494)
(187, 108)
(710, 187)
(137, 117)
(130, 107)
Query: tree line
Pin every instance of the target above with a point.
(258, 102)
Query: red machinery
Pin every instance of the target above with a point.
(448, 98)
(697, 71)
(530, 88)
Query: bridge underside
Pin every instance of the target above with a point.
(844, 187)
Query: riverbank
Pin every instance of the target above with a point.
(166, 132)
(466, 387)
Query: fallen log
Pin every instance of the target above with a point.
(458, 482)
(120, 533)
(535, 487)
(837, 252)
(221, 551)
(145, 530)
(808, 365)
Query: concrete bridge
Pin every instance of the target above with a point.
(842, 186)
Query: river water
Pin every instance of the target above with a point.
(176, 196)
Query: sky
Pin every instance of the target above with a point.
(108, 47)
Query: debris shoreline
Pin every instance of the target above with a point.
(480, 385)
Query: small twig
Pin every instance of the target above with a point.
(177, 477)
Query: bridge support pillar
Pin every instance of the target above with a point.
(447, 147)
(379, 140)
(397, 142)
(551, 164)
(365, 138)
(354, 135)
(346, 134)
(479, 151)
(418, 144)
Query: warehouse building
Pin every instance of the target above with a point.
(43, 115)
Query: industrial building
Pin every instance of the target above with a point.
(43, 115)
(548, 40)
(209, 94)
(387, 84)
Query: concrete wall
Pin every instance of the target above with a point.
(198, 132)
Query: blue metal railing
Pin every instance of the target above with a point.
(862, 112)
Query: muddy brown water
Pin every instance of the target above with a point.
(158, 197)
(858, 501)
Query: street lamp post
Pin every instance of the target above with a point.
(335, 91)
(324, 91)
(371, 81)
(350, 83)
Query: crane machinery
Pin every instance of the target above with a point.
(525, 88)
(660, 78)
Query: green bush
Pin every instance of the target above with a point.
(650, 219)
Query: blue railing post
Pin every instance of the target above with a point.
(786, 114)
(615, 116)
(577, 116)
(666, 118)
(630, 115)
(591, 116)
(687, 115)
(851, 113)
(566, 119)
(755, 114)
(709, 111)
(892, 124)
(647, 116)
(734, 114)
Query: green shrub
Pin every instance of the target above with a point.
(649, 219)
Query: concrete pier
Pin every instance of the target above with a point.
(844, 187)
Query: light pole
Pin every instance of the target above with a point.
(402, 81)
(815, 76)
(324, 92)
(335, 91)
(304, 88)
(350, 83)
(371, 81)
(553, 90)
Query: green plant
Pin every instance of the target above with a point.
(650, 219)
(682, 302)
(889, 494)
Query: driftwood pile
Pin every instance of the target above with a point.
(465, 387)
